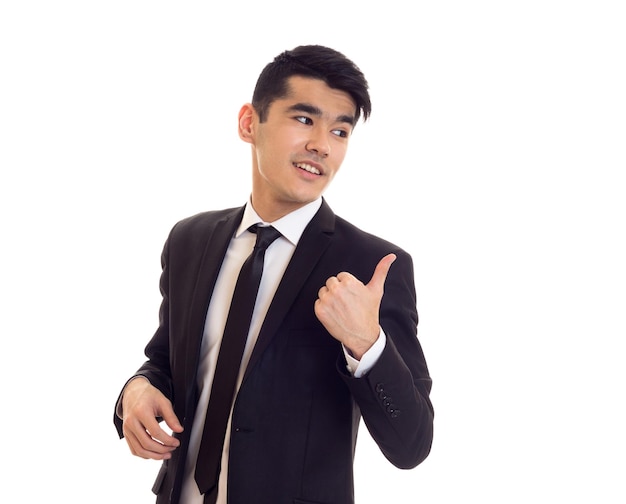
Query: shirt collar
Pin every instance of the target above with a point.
(291, 226)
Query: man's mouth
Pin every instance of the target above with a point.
(308, 167)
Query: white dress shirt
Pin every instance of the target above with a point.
(277, 258)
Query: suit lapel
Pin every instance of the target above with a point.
(312, 244)
(214, 251)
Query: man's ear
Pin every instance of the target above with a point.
(247, 121)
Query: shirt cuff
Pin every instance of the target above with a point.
(359, 368)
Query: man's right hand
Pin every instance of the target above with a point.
(142, 403)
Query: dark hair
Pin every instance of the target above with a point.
(317, 62)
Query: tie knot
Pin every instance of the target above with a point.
(265, 235)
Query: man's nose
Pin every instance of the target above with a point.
(319, 144)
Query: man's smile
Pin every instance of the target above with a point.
(308, 167)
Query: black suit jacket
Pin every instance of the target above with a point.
(296, 415)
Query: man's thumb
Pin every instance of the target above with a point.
(380, 273)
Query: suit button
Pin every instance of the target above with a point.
(381, 392)
(394, 413)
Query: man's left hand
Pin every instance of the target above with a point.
(349, 309)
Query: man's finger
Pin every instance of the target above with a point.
(171, 420)
(381, 271)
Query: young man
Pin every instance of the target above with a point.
(333, 335)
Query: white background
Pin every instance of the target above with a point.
(498, 132)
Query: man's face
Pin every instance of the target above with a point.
(299, 148)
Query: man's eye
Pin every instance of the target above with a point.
(340, 133)
(304, 120)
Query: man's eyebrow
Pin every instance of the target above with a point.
(317, 112)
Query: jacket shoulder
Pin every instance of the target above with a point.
(205, 220)
(201, 225)
(357, 237)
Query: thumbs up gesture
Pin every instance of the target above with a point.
(348, 309)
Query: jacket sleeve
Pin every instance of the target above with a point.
(394, 396)
(157, 368)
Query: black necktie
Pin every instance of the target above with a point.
(228, 363)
